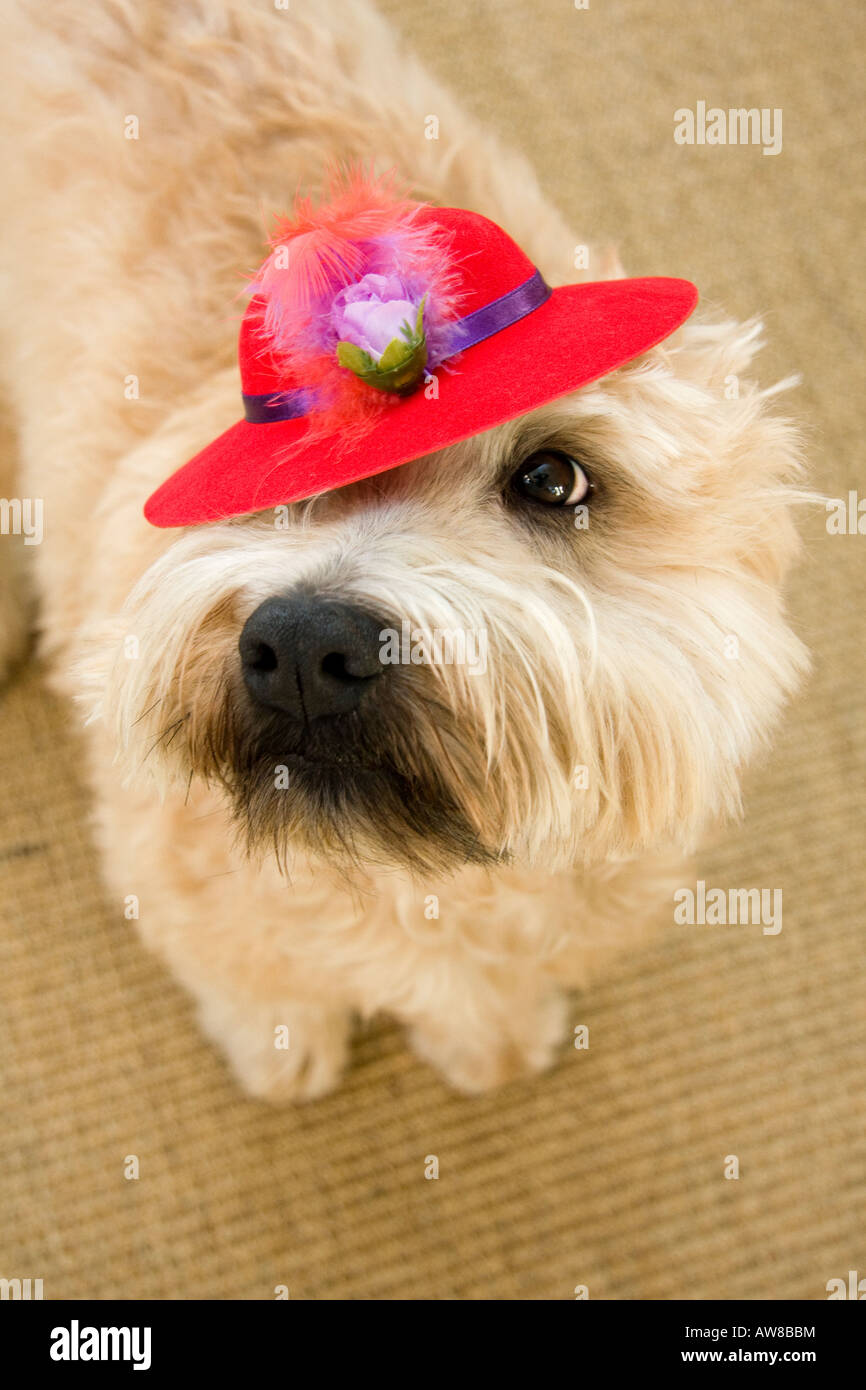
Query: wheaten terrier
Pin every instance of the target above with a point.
(411, 691)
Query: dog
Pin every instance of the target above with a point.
(465, 841)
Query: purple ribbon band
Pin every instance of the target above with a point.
(277, 405)
(503, 312)
(472, 329)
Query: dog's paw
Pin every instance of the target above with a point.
(280, 1053)
(508, 1051)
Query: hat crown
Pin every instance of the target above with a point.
(487, 265)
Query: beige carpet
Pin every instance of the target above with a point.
(608, 1172)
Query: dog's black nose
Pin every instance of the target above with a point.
(309, 657)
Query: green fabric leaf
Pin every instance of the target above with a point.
(395, 354)
(406, 377)
(355, 358)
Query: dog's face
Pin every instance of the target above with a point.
(557, 642)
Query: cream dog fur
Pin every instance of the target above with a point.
(609, 648)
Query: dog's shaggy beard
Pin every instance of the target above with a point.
(361, 788)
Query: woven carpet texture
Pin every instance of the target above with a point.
(608, 1172)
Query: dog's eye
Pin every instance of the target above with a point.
(551, 478)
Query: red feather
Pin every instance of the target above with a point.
(363, 224)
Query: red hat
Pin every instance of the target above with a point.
(381, 330)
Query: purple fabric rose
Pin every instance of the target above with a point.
(372, 313)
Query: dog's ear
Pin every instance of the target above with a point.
(716, 355)
(762, 459)
(776, 548)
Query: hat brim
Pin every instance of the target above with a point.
(579, 334)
